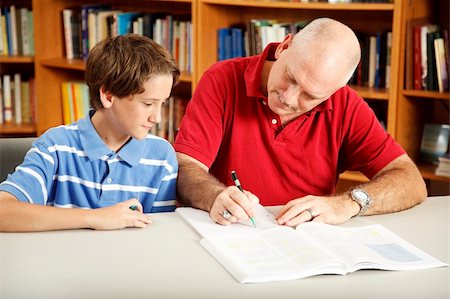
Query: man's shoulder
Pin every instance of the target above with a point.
(229, 65)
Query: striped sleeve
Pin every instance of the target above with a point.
(33, 179)
(165, 200)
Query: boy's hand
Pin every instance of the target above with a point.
(119, 216)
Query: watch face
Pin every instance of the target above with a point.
(361, 195)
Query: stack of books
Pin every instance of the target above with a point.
(443, 168)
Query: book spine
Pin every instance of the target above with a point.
(7, 98)
(417, 64)
(13, 30)
(67, 15)
(17, 99)
(25, 31)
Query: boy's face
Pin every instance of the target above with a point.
(137, 114)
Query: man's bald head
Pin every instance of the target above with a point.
(331, 45)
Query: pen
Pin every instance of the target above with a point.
(238, 184)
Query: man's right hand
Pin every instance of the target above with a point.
(241, 206)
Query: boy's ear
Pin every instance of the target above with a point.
(286, 43)
(106, 98)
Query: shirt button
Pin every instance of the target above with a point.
(274, 121)
(109, 180)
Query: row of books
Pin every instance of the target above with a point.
(443, 168)
(86, 25)
(430, 67)
(75, 100)
(427, 63)
(16, 31)
(171, 117)
(251, 38)
(375, 65)
(75, 103)
(17, 100)
(435, 142)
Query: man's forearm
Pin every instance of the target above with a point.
(397, 187)
(196, 187)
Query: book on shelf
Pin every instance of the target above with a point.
(271, 252)
(75, 101)
(441, 67)
(443, 168)
(434, 143)
(17, 99)
(7, 99)
(16, 31)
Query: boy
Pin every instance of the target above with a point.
(104, 171)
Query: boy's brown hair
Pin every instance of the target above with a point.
(121, 64)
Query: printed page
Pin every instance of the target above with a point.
(272, 255)
(370, 247)
(207, 227)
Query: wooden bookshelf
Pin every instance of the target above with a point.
(52, 68)
(23, 64)
(417, 107)
(406, 110)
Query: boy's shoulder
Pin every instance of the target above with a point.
(156, 145)
(64, 135)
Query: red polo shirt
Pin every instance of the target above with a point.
(229, 126)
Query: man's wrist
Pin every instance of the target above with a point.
(351, 207)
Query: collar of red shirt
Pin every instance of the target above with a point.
(253, 76)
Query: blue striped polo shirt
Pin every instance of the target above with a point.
(71, 167)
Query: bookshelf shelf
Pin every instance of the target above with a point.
(355, 176)
(16, 59)
(428, 172)
(17, 130)
(63, 63)
(423, 94)
(371, 93)
(299, 5)
(80, 65)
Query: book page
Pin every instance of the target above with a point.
(205, 226)
(272, 255)
(371, 246)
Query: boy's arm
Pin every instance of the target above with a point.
(16, 216)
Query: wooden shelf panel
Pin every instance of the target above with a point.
(299, 5)
(427, 94)
(371, 93)
(428, 172)
(16, 59)
(80, 65)
(17, 130)
(353, 176)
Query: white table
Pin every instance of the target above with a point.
(166, 260)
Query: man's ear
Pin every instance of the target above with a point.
(106, 98)
(286, 43)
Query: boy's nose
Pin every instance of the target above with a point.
(155, 116)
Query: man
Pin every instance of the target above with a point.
(289, 125)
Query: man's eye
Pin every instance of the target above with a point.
(148, 104)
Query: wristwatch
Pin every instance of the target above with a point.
(362, 198)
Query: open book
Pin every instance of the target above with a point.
(271, 252)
